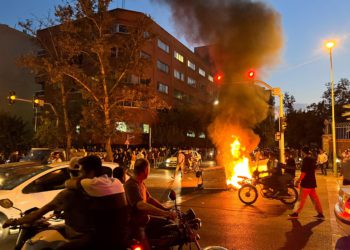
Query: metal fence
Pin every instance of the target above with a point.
(342, 130)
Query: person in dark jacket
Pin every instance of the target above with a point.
(307, 182)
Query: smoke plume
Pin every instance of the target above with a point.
(243, 34)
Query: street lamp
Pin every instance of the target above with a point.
(330, 45)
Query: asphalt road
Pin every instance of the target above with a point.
(229, 223)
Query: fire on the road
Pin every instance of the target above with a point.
(239, 165)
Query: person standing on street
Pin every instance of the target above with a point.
(322, 160)
(180, 164)
(307, 182)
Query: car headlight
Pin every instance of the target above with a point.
(167, 161)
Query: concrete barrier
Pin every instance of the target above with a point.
(214, 178)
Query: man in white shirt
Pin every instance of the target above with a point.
(322, 161)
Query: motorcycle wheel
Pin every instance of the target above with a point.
(293, 196)
(248, 194)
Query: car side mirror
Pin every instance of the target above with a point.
(172, 195)
(6, 203)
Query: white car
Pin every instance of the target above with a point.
(342, 209)
(171, 162)
(29, 184)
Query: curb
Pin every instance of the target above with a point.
(333, 190)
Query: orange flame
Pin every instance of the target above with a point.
(239, 165)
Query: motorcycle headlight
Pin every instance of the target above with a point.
(189, 215)
(196, 224)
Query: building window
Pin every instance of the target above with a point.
(191, 81)
(178, 56)
(163, 88)
(179, 75)
(145, 55)
(210, 78)
(114, 52)
(145, 128)
(178, 94)
(146, 34)
(201, 72)
(201, 135)
(163, 46)
(162, 66)
(120, 28)
(191, 65)
(122, 127)
(191, 134)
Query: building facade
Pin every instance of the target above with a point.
(180, 76)
(14, 44)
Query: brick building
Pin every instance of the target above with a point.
(180, 76)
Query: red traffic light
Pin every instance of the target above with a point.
(251, 74)
(218, 77)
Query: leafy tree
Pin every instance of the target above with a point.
(307, 126)
(173, 125)
(109, 69)
(288, 103)
(15, 134)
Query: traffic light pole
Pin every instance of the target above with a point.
(39, 103)
(281, 142)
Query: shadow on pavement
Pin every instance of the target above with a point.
(298, 237)
(268, 212)
(343, 243)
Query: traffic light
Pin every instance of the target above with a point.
(12, 97)
(347, 113)
(37, 102)
(218, 78)
(283, 124)
(251, 74)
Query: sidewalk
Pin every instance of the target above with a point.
(333, 183)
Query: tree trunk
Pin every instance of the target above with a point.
(108, 147)
(67, 129)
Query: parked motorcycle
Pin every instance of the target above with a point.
(248, 192)
(40, 234)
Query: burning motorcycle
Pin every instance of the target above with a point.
(248, 192)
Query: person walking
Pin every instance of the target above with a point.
(322, 161)
(180, 164)
(307, 182)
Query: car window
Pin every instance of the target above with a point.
(52, 181)
(11, 177)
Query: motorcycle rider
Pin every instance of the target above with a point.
(73, 203)
(94, 206)
(277, 181)
(108, 210)
(148, 215)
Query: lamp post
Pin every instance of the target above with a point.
(330, 45)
